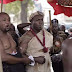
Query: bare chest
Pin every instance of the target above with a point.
(8, 42)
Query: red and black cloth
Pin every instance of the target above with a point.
(58, 9)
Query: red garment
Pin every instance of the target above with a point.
(8, 1)
(60, 9)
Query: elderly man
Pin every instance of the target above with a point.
(36, 43)
(12, 60)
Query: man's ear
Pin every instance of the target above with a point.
(32, 22)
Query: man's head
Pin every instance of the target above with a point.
(70, 31)
(62, 28)
(55, 25)
(36, 20)
(4, 22)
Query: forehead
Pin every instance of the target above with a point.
(54, 21)
(62, 26)
(4, 16)
(38, 17)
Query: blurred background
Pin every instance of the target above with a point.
(20, 11)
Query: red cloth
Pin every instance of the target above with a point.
(60, 9)
(8, 1)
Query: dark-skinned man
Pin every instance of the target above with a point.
(36, 43)
(12, 60)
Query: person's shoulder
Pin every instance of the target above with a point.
(25, 36)
(48, 33)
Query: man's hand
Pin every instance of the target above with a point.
(40, 59)
(27, 60)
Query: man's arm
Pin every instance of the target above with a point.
(21, 26)
(11, 59)
(23, 48)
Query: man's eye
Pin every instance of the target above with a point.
(37, 19)
(9, 20)
(4, 20)
(42, 19)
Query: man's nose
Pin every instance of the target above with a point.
(7, 25)
(8, 22)
(40, 21)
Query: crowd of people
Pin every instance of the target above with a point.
(36, 50)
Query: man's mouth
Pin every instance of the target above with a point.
(7, 29)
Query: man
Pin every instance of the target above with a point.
(57, 38)
(62, 32)
(67, 54)
(36, 43)
(56, 55)
(12, 60)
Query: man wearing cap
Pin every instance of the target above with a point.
(36, 43)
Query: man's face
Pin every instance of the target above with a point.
(4, 22)
(55, 27)
(62, 28)
(37, 22)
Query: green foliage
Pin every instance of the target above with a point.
(15, 7)
(30, 4)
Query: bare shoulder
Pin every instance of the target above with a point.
(9, 35)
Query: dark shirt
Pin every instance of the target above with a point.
(19, 67)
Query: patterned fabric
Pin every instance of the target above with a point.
(58, 9)
(35, 14)
(65, 2)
